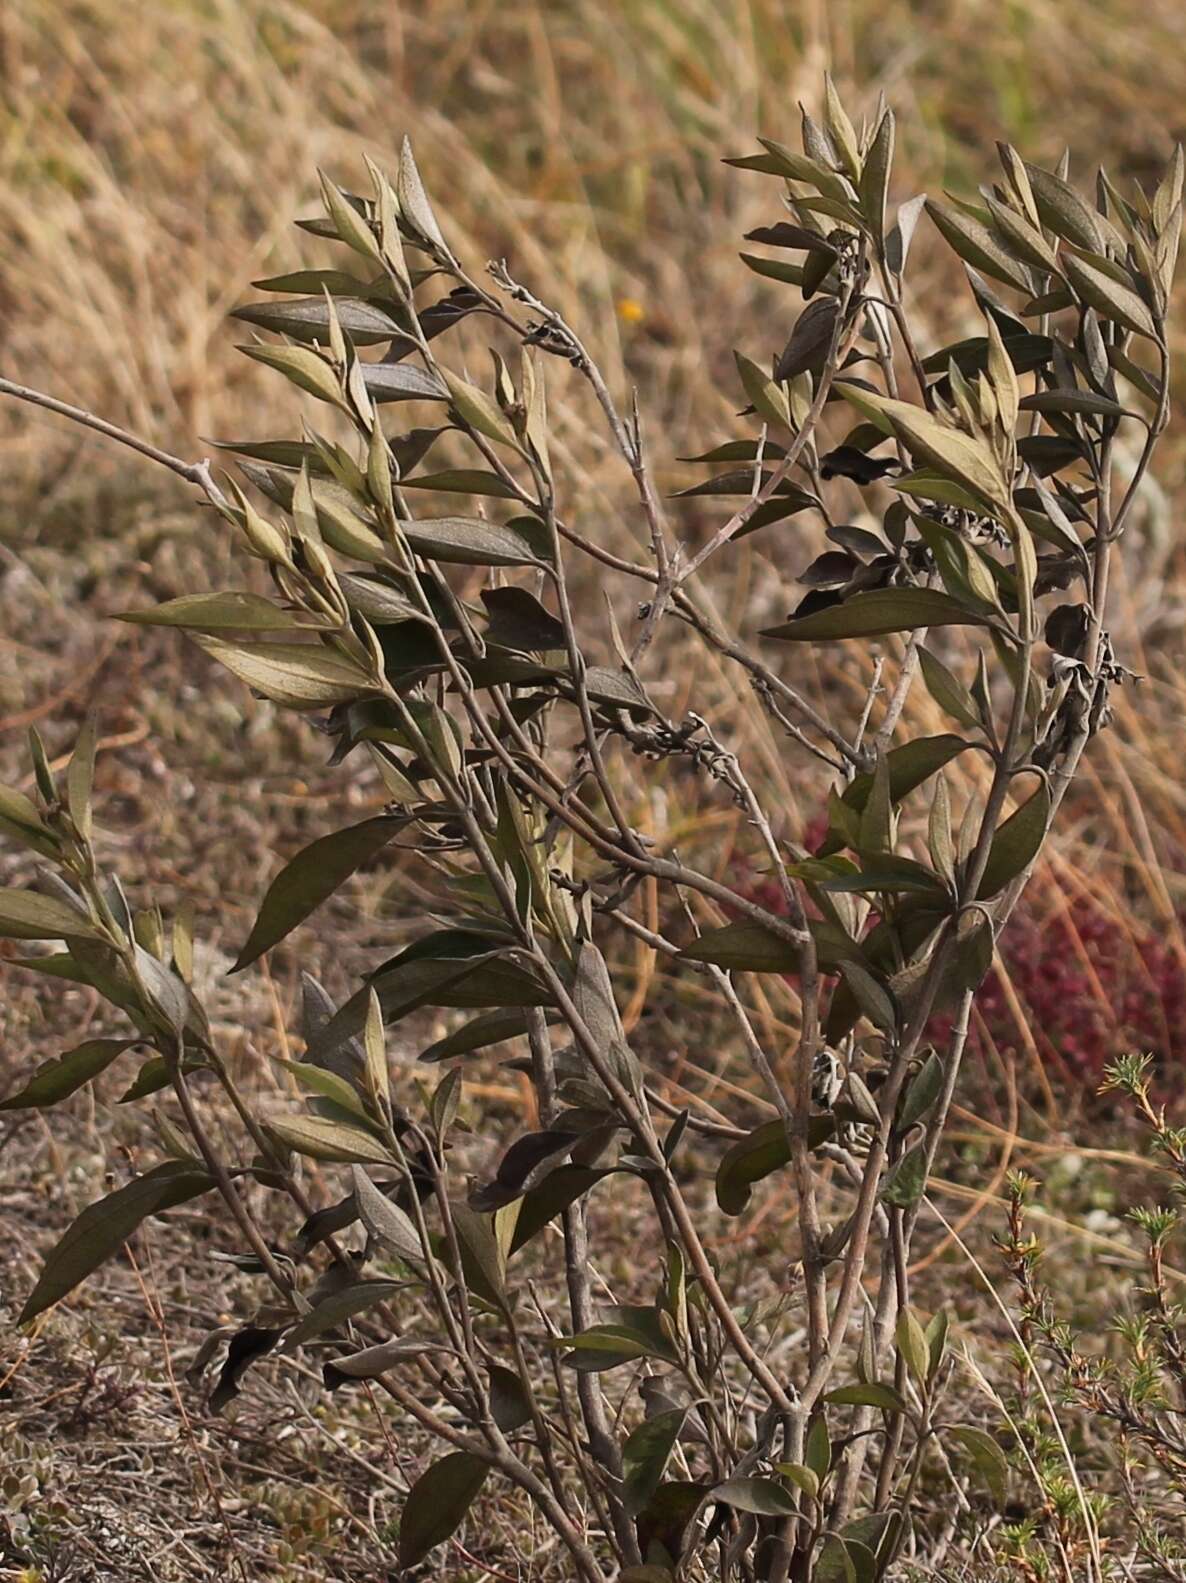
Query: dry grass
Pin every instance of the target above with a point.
(151, 160)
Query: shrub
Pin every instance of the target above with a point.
(685, 1431)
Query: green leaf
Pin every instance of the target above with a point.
(977, 245)
(745, 947)
(25, 915)
(310, 878)
(324, 1139)
(385, 1220)
(437, 1504)
(800, 1476)
(1108, 297)
(631, 1333)
(874, 1001)
(376, 1075)
(463, 481)
(80, 777)
(1016, 843)
(414, 206)
(491, 1028)
(645, 1454)
(913, 1346)
(306, 369)
(401, 382)
(985, 1455)
(560, 1188)
(327, 1084)
(870, 1394)
(947, 690)
(888, 873)
(306, 282)
(295, 676)
(922, 1093)
(478, 411)
(370, 1363)
(818, 1451)
(909, 766)
(103, 1228)
(840, 128)
(451, 976)
(936, 1337)
(846, 1559)
(231, 611)
(337, 1308)
(509, 1404)
(762, 1497)
(1023, 240)
(481, 1257)
(616, 690)
(152, 1077)
(57, 1080)
(876, 818)
(771, 269)
(307, 319)
(470, 541)
(518, 620)
(786, 162)
(768, 397)
(1063, 211)
(927, 484)
(20, 820)
(875, 174)
(1073, 401)
(964, 457)
(878, 612)
(906, 1183)
(974, 945)
(758, 1155)
(663, 1526)
(349, 224)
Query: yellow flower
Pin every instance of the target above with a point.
(630, 310)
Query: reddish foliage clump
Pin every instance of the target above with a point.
(1088, 988)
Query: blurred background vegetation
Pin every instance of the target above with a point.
(152, 158)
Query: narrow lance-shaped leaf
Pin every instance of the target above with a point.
(1108, 297)
(878, 612)
(985, 1455)
(1016, 843)
(295, 676)
(57, 1080)
(308, 319)
(80, 777)
(309, 879)
(306, 369)
(25, 915)
(235, 610)
(103, 1228)
(437, 1504)
(470, 541)
(1063, 211)
(875, 174)
(413, 200)
(977, 245)
(645, 1454)
(321, 1138)
(385, 1220)
(762, 1497)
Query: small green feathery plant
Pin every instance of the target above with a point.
(673, 1430)
(1132, 1393)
